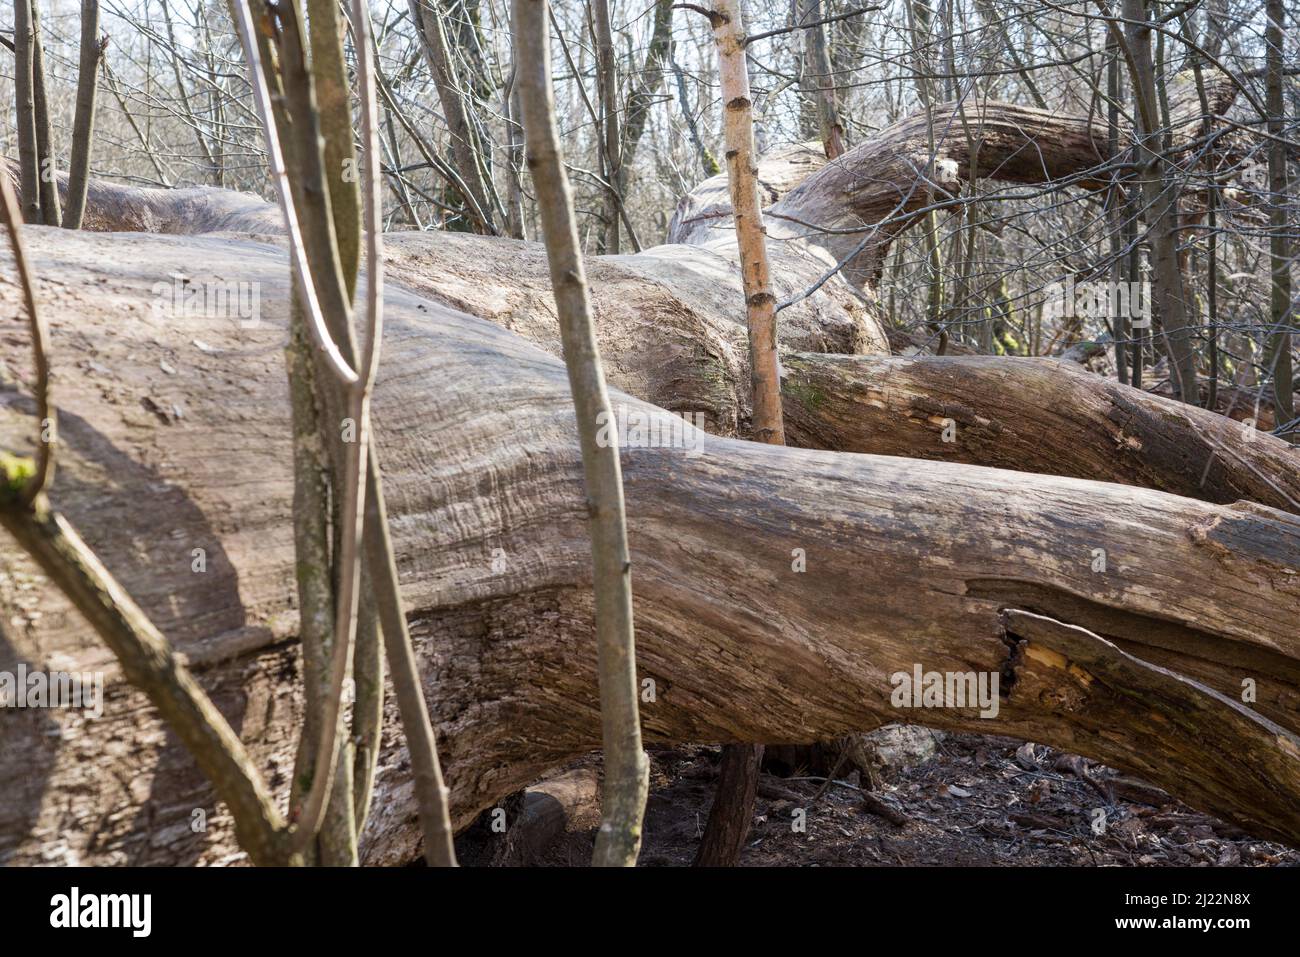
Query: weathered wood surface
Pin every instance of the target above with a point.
(879, 188)
(670, 333)
(1033, 415)
(176, 437)
(175, 431)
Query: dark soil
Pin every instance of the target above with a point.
(980, 800)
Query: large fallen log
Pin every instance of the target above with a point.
(853, 208)
(664, 339)
(176, 437)
(179, 416)
(1033, 415)
(670, 332)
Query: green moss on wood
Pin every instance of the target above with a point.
(15, 472)
(805, 393)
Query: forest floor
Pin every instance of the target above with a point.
(979, 800)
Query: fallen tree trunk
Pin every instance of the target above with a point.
(182, 417)
(668, 343)
(112, 207)
(671, 333)
(1033, 415)
(176, 437)
(852, 209)
(566, 802)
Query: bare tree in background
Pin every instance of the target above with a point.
(817, 60)
(610, 120)
(465, 145)
(92, 50)
(25, 107)
(48, 180)
(1278, 356)
(1159, 190)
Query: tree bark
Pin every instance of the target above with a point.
(641, 97)
(45, 150)
(83, 123)
(855, 218)
(736, 790)
(733, 806)
(1159, 197)
(817, 60)
(747, 215)
(149, 663)
(29, 165)
(805, 659)
(465, 145)
(1033, 415)
(610, 120)
(1278, 359)
(692, 358)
